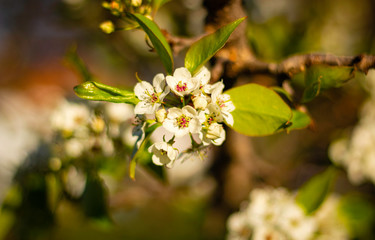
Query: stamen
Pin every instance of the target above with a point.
(183, 121)
(181, 87)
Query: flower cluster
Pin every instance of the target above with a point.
(185, 104)
(356, 152)
(274, 214)
(88, 131)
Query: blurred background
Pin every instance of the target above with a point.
(52, 190)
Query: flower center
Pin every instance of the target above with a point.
(154, 98)
(163, 152)
(183, 121)
(181, 87)
(220, 103)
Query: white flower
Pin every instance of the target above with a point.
(182, 83)
(150, 96)
(223, 101)
(163, 154)
(119, 112)
(267, 232)
(75, 181)
(182, 121)
(295, 223)
(238, 227)
(75, 147)
(204, 76)
(329, 221)
(70, 117)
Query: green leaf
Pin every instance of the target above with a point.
(157, 39)
(358, 214)
(299, 120)
(282, 92)
(205, 48)
(259, 110)
(72, 58)
(311, 91)
(314, 192)
(324, 77)
(96, 91)
(158, 3)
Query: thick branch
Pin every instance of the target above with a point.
(292, 65)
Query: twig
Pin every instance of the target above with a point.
(292, 65)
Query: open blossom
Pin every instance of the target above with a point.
(150, 96)
(163, 154)
(181, 121)
(223, 101)
(182, 83)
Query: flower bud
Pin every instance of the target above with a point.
(97, 125)
(215, 131)
(107, 27)
(161, 115)
(200, 102)
(136, 3)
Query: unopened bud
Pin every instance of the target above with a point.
(215, 131)
(107, 27)
(161, 115)
(200, 102)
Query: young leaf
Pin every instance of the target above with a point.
(205, 48)
(314, 192)
(311, 91)
(72, 58)
(323, 77)
(100, 92)
(157, 39)
(299, 120)
(259, 110)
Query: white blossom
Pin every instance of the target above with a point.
(295, 223)
(150, 96)
(182, 83)
(268, 232)
(272, 214)
(75, 147)
(75, 181)
(182, 121)
(70, 117)
(223, 101)
(163, 154)
(119, 112)
(238, 227)
(204, 76)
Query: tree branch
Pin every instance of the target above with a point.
(298, 63)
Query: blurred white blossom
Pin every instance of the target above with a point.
(357, 152)
(274, 214)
